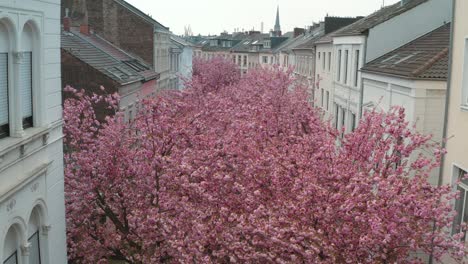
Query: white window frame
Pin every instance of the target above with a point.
(464, 99)
(457, 173)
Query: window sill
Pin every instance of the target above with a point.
(464, 108)
(10, 143)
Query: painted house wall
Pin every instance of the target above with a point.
(162, 58)
(347, 79)
(457, 121)
(324, 78)
(408, 26)
(185, 68)
(31, 160)
(423, 100)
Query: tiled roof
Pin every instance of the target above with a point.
(106, 58)
(423, 58)
(386, 13)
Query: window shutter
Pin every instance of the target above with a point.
(25, 83)
(3, 89)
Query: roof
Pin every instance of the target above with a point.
(140, 13)
(181, 41)
(106, 58)
(246, 44)
(423, 58)
(386, 13)
(309, 43)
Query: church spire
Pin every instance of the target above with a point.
(277, 24)
(277, 29)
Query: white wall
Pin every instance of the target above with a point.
(408, 26)
(423, 100)
(31, 160)
(185, 67)
(324, 77)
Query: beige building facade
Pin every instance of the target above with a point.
(455, 163)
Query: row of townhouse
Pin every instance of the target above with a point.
(412, 54)
(113, 44)
(44, 46)
(396, 56)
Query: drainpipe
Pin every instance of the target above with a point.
(447, 103)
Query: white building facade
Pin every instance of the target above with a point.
(32, 208)
(372, 37)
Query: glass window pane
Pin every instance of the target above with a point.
(35, 253)
(13, 259)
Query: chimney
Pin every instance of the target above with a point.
(298, 32)
(66, 21)
(84, 27)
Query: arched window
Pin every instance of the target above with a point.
(34, 237)
(11, 247)
(4, 80)
(26, 76)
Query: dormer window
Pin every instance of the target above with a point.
(267, 44)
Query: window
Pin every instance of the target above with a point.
(271, 60)
(239, 59)
(337, 110)
(327, 98)
(13, 259)
(319, 55)
(35, 251)
(265, 59)
(343, 117)
(25, 84)
(353, 121)
(324, 61)
(461, 205)
(322, 97)
(4, 113)
(339, 66)
(356, 71)
(245, 60)
(464, 102)
(346, 67)
(329, 61)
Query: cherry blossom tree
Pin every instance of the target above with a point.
(244, 170)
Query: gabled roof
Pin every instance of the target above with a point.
(106, 58)
(386, 13)
(144, 16)
(423, 58)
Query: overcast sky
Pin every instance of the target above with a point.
(214, 16)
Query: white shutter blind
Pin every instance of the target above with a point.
(25, 75)
(3, 89)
